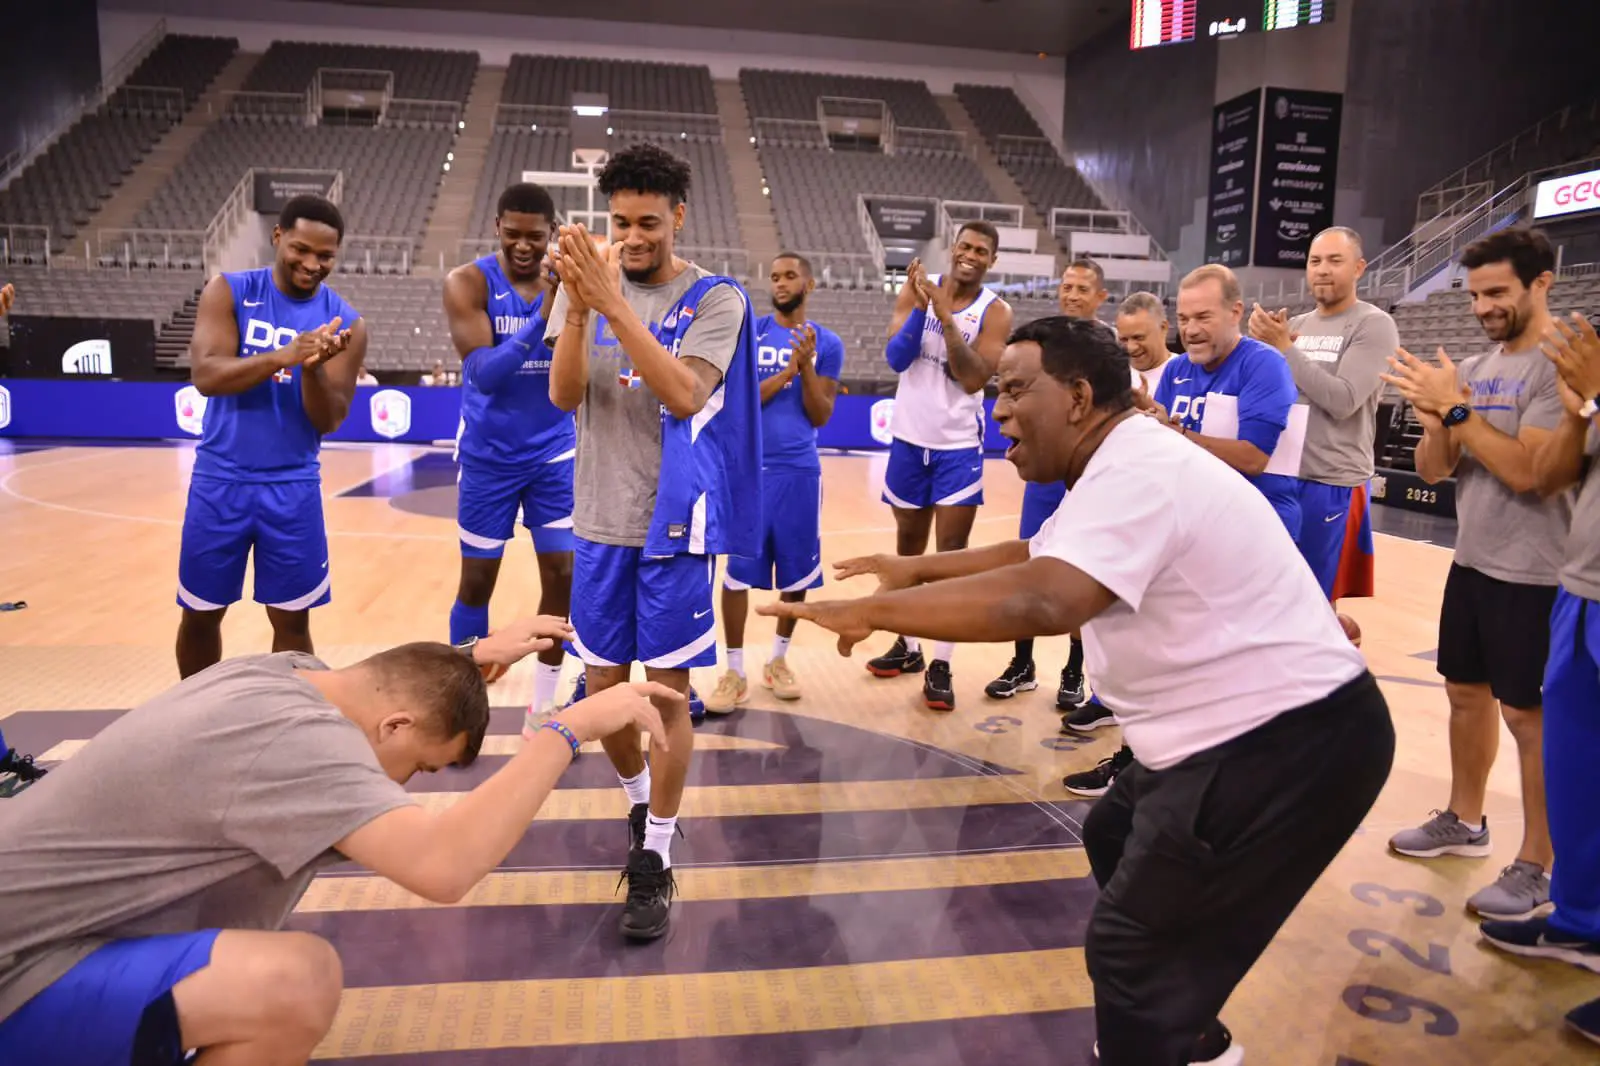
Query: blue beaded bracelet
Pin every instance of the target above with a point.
(571, 738)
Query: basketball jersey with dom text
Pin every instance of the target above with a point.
(516, 425)
(263, 434)
(931, 409)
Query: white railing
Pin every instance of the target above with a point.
(917, 138)
(797, 132)
(351, 88)
(241, 205)
(530, 116)
(128, 249)
(433, 113)
(148, 100)
(1436, 203)
(1024, 149)
(1482, 169)
(729, 262)
(25, 244)
(1434, 244)
(292, 107)
(1065, 220)
(858, 270)
(869, 230)
(680, 124)
(953, 214)
(28, 151)
(846, 112)
(361, 254)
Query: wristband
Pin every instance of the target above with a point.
(561, 728)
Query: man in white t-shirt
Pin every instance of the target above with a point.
(1261, 738)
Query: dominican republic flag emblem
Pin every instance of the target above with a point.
(628, 379)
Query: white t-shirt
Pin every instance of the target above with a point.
(1219, 625)
(1151, 377)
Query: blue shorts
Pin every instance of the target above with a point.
(628, 608)
(791, 541)
(92, 1015)
(1336, 538)
(1571, 717)
(931, 477)
(280, 521)
(487, 500)
(1039, 502)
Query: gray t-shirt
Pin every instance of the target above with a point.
(619, 422)
(1512, 536)
(210, 806)
(1336, 363)
(1581, 574)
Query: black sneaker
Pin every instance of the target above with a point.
(938, 691)
(1018, 677)
(1585, 1020)
(897, 661)
(1070, 694)
(638, 814)
(648, 908)
(17, 772)
(1086, 719)
(1213, 1047)
(1097, 782)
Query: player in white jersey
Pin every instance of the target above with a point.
(945, 341)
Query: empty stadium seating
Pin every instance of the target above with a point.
(793, 95)
(1024, 152)
(391, 176)
(419, 73)
(630, 85)
(1445, 318)
(711, 220)
(997, 112)
(814, 190)
(64, 187)
(155, 295)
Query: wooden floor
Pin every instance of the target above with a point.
(860, 878)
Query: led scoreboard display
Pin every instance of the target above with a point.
(1158, 22)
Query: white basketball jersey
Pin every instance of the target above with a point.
(931, 410)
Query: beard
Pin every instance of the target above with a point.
(788, 306)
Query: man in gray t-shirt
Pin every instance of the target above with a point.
(1336, 354)
(146, 877)
(638, 359)
(1485, 421)
(1569, 458)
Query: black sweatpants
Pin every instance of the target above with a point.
(1201, 864)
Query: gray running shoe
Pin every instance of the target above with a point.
(1443, 834)
(1522, 890)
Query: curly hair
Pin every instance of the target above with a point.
(646, 168)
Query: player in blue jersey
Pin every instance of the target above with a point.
(515, 447)
(657, 356)
(276, 352)
(1233, 395)
(799, 363)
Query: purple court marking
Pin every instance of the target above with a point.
(581, 940)
(1062, 1038)
(431, 471)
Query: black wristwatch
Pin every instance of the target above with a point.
(1456, 415)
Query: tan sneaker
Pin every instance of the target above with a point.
(732, 690)
(780, 679)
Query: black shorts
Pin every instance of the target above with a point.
(1495, 633)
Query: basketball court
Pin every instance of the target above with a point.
(861, 880)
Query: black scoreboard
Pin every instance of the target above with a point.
(1159, 22)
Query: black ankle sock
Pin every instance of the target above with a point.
(1025, 650)
(1075, 659)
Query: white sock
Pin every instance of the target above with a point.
(780, 647)
(943, 650)
(736, 660)
(658, 837)
(637, 788)
(912, 644)
(546, 679)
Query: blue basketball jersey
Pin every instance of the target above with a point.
(788, 439)
(1252, 392)
(263, 434)
(516, 425)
